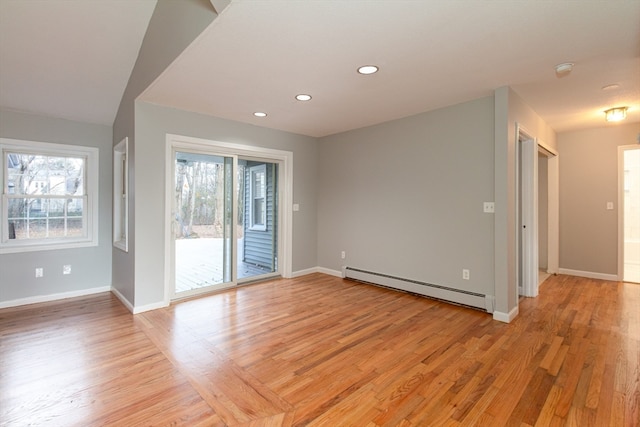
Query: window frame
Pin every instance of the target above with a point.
(121, 195)
(90, 196)
(252, 198)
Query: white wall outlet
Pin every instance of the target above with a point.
(343, 254)
(489, 207)
(465, 274)
(39, 272)
(66, 269)
(610, 206)
(296, 207)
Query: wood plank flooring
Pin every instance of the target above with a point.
(321, 351)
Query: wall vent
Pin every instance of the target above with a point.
(456, 296)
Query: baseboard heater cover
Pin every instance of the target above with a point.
(457, 296)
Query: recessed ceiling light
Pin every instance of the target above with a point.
(368, 69)
(260, 114)
(611, 86)
(303, 97)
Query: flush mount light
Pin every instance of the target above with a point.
(260, 114)
(616, 114)
(303, 97)
(564, 69)
(368, 69)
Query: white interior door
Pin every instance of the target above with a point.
(529, 218)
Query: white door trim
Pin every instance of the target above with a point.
(553, 213)
(621, 150)
(285, 158)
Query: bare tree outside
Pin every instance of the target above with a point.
(46, 196)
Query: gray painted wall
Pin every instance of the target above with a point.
(406, 197)
(173, 26)
(153, 123)
(588, 180)
(90, 267)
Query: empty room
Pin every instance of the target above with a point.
(319, 213)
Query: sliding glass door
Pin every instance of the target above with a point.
(257, 236)
(225, 220)
(203, 222)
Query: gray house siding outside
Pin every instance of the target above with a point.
(260, 246)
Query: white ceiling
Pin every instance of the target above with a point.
(69, 58)
(258, 54)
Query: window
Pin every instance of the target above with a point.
(49, 196)
(120, 200)
(258, 199)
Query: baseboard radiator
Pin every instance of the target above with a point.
(456, 296)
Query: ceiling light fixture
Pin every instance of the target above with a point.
(564, 69)
(616, 114)
(303, 97)
(368, 69)
(260, 114)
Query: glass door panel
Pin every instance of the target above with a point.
(257, 231)
(203, 222)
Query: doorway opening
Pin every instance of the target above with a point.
(537, 212)
(629, 213)
(543, 218)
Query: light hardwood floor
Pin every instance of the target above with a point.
(320, 351)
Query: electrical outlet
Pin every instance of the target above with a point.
(465, 274)
(39, 272)
(489, 207)
(343, 254)
(66, 269)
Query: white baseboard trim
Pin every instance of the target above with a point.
(589, 274)
(53, 297)
(149, 307)
(506, 317)
(304, 272)
(122, 299)
(330, 272)
(316, 270)
(140, 309)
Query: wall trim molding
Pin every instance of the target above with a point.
(149, 307)
(317, 270)
(506, 317)
(589, 274)
(330, 272)
(53, 297)
(122, 299)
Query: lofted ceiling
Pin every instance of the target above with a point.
(258, 54)
(69, 58)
